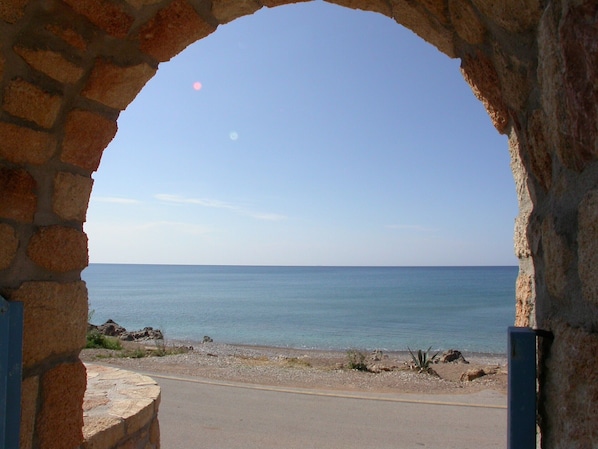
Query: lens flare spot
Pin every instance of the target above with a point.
(233, 135)
(197, 85)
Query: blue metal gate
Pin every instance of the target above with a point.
(11, 353)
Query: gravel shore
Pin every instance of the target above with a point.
(316, 369)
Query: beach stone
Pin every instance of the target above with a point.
(452, 356)
(112, 329)
(472, 374)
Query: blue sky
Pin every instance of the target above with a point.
(319, 136)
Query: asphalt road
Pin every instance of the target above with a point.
(204, 415)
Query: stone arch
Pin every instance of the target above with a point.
(68, 67)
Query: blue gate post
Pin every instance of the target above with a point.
(11, 356)
(521, 401)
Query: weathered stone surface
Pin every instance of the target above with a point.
(102, 431)
(60, 422)
(513, 15)
(69, 35)
(172, 30)
(524, 301)
(12, 10)
(413, 17)
(109, 16)
(127, 417)
(557, 258)
(86, 136)
(54, 319)
(438, 8)
(141, 3)
(579, 34)
(25, 146)
(472, 374)
(71, 196)
(521, 241)
(480, 74)
(587, 241)
(9, 242)
(381, 6)
(466, 22)
(452, 356)
(52, 64)
(228, 10)
(17, 190)
(569, 393)
(513, 77)
(25, 100)
(59, 249)
(116, 86)
(273, 3)
(539, 149)
(29, 395)
(155, 432)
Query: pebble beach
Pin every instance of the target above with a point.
(299, 368)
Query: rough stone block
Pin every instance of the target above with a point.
(419, 21)
(227, 10)
(25, 146)
(109, 16)
(9, 243)
(59, 249)
(12, 10)
(17, 190)
(466, 22)
(579, 34)
(524, 301)
(60, 422)
(86, 136)
(52, 64)
(480, 74)
(136, 413)
(104, 431)
(437, 8)
(138, 4)
(557, 259)
(515, 16)
(539, 149)
(570, 390)
(172, 30)
(380, 6)
(55, 319)
(71, 196)
(25, 100)
(154, 433)
(116, 86)
(587, 240)
(69, 35)
(29, 395)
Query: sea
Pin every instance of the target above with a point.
(332, 308)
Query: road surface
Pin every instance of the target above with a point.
(197, 414)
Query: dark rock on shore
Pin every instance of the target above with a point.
(113, 329)
(452, 356)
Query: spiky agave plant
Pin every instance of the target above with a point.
(423, 361)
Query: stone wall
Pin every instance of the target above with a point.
(120, 410)
(68, 67)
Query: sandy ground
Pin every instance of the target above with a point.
(387, 372)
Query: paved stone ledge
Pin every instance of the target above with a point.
(120, 410)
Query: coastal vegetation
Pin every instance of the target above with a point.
(356, 360)
(422, 361)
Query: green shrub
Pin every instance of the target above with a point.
(97, 340)
(423, 361)
(356, 360)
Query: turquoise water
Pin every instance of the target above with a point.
(389, 308)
